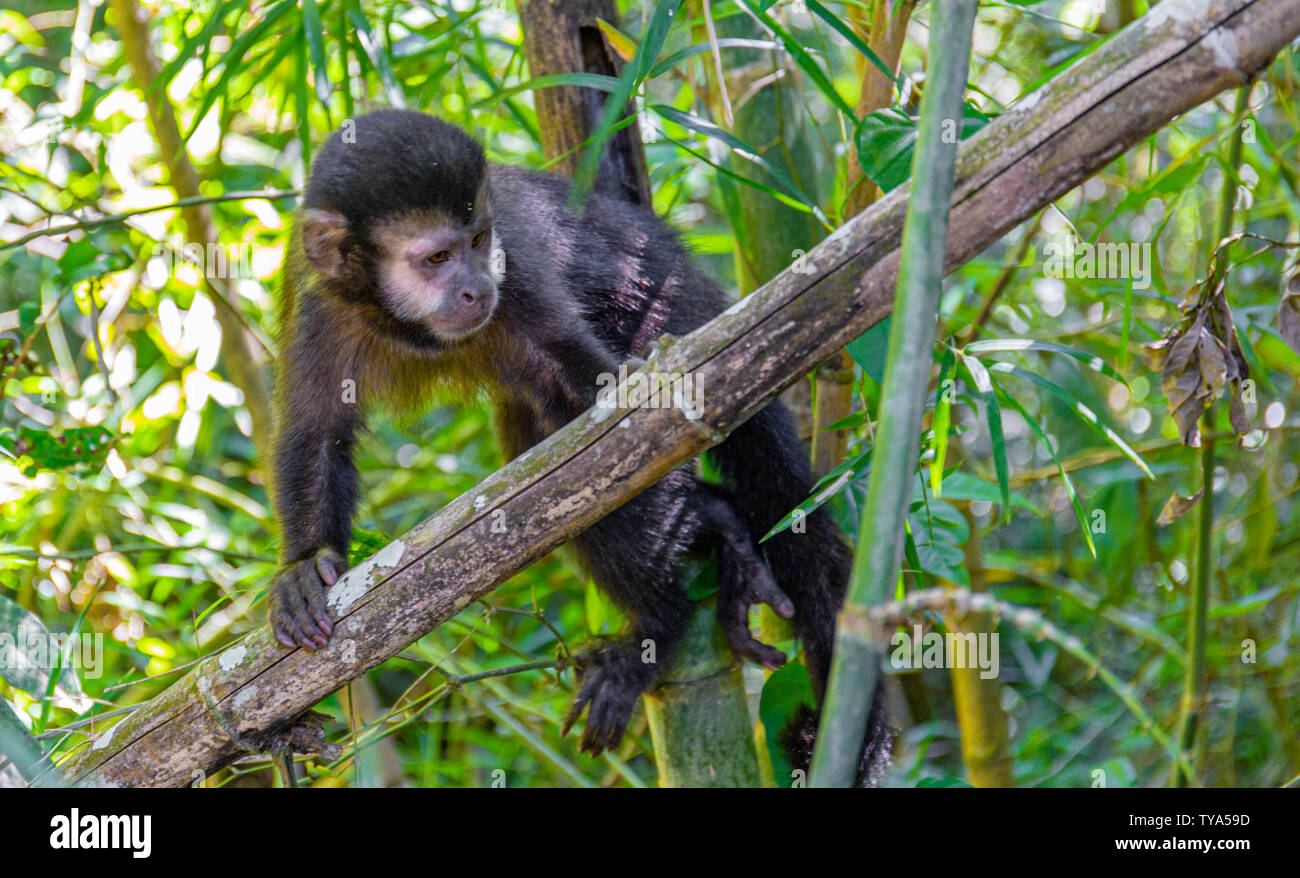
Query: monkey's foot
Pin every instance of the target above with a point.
(612, 679)
(749, 586)
(297, 604)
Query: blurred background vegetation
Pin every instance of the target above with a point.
(135, 503)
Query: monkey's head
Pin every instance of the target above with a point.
(397, 211)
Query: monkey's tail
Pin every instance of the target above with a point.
(765, 465)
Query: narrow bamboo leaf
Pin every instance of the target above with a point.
(1128, 323)
(993, 416)
(671, 61)
(191, 47)
(802, 58)
(597, 81)
(300, 99)
(1079, 512)
(231, 60)
(941, 422)
(838, 479)
(314, 33)
(913, 558)
(1245, 605)
(661, 20)
(1092, 361)
(740, 178)
(742, 149)
(621, 43)
(854, 40)
(374, 49)
(1087, 415)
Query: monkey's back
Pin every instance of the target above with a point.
(633, 278)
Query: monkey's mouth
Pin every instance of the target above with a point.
(457, 330)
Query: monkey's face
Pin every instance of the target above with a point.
(426, 268)
(437, 272)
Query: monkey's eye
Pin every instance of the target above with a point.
(478, 239)
(440, 256)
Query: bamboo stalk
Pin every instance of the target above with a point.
(858, 651)
(1192, 704)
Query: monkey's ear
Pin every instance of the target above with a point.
(323, 232)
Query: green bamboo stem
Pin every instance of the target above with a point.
(1192, 703)
(855, 668)
(699, 721)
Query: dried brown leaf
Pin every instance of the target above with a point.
(1177, 506)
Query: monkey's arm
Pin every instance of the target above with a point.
(317, 415)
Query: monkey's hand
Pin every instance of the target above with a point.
(612, 679)
(748, 587)
(297, 604)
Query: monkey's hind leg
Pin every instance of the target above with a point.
(635, 555)
(743, 580)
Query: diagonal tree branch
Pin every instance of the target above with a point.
(1181, 54)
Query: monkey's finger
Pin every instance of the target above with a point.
(294, 609)
(315, 598)
(762, 589)
(756, 651)
(735, 626)
(294, 630)
(309, 593)
(579, 702)
(282, 635)
(598, 723)
(619, 726)
(330, 566)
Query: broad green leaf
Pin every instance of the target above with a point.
(785, 690)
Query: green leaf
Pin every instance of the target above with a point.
(1079, 512)
(945, 782)
(72, 448)
(964, 486)
(1092, 361)
(311, 27)
(993, 417)
(1246, 604)
(676, 58)
(594, 604)
(801, 58)
(374, 49)
(785, 690)
(91, 257)
(230, 60)
(743, 150)
(886, 139)
(940, 423)
(826, 488)
(868, 350)
(661, 20)
(1087, 415)
(854, 40)
(26, 659)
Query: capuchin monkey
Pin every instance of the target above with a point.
(392, 283)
